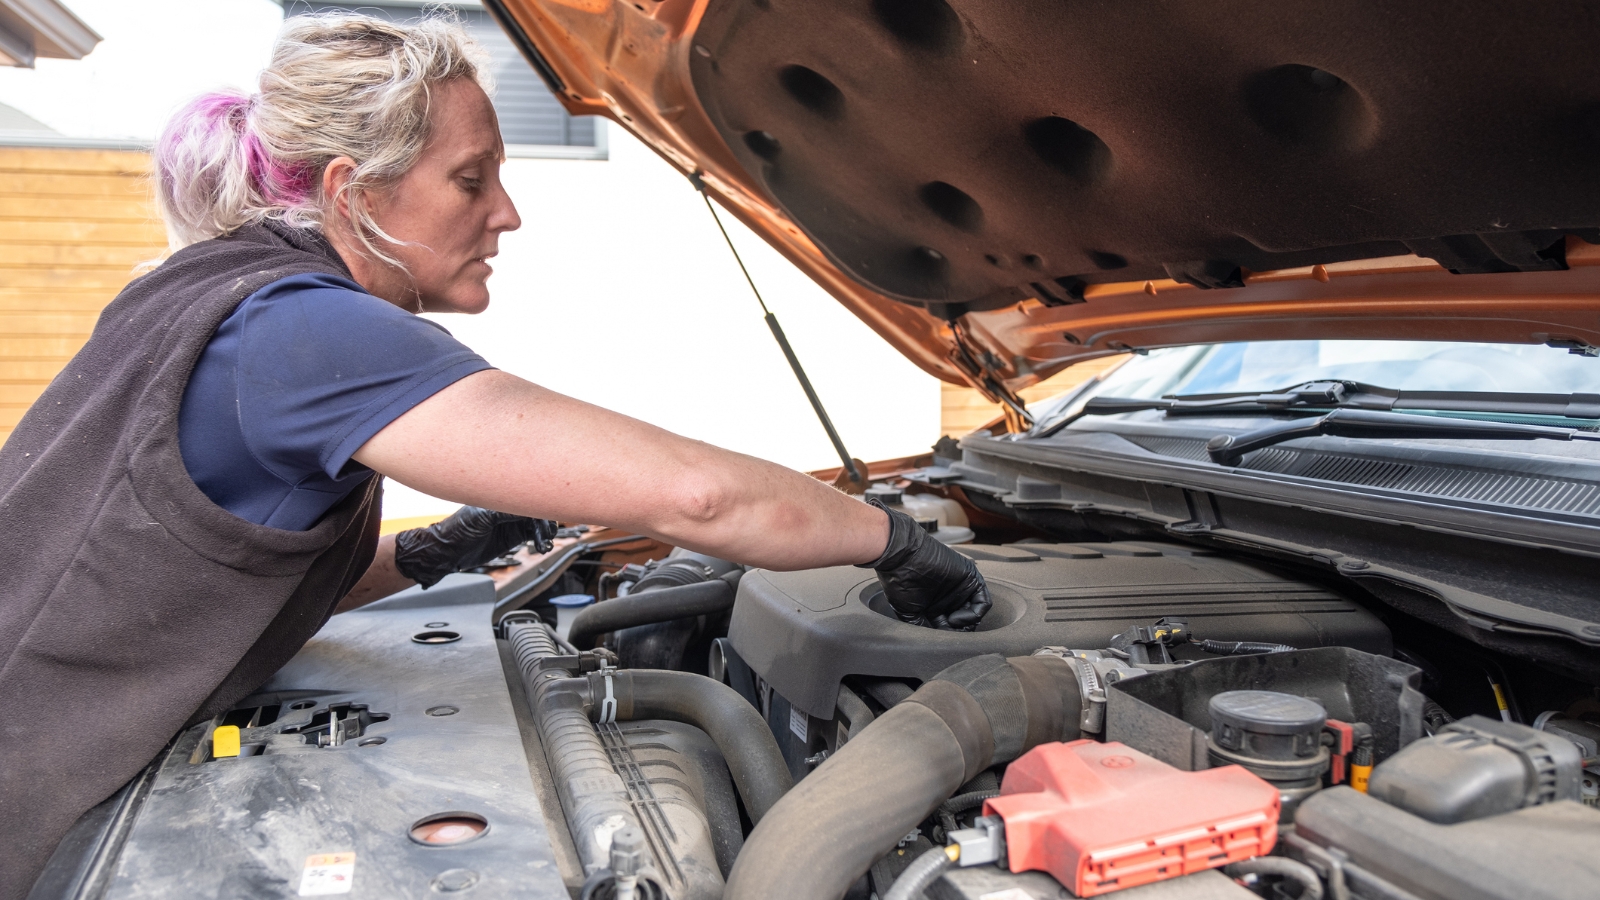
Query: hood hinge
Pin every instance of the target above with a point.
(982, 377)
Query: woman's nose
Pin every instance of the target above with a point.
(504, 217)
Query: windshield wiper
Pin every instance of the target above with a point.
(1229, 449)
(1355, 395)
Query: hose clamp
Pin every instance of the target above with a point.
(608, 706)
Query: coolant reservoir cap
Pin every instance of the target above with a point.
(1266, 712)
(888, 495)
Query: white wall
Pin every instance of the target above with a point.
(618, 289)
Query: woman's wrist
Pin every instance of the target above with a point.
(877, 531)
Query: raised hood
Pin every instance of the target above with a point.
(1003, 187)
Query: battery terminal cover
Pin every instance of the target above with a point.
(1103, 817)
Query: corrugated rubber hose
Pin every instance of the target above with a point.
(853, 809)
(923, 871)
(960, 803)
(1241, 648)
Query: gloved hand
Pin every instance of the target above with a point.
(925, 581)
(471, 536)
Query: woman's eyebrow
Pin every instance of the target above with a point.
(479, 156)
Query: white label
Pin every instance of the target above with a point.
(798, 723)
(328, 873)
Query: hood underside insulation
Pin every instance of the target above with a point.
(974, 152)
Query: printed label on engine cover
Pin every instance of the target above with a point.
(328, 873)
(798, 723)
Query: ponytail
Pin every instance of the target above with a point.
(213, 175)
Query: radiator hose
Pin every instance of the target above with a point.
(649, 607)
(853, 809)
(564, 708)
(754, 760)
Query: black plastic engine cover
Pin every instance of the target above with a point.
(804, 631)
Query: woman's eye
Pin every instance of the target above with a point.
(471, 184)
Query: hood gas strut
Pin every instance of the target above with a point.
(856, 474)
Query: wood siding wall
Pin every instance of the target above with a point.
(964, 410)
(73, 225)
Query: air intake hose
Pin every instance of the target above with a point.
(648, 607)
(853, 809)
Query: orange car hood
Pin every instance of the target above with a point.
(1000, 188)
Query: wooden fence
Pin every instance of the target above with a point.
(74, 224)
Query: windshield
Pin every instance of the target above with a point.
(1400, 365)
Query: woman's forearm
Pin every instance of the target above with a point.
(496, 441)
(765, 515)
(380, 580)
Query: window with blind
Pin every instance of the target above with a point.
(532, 121)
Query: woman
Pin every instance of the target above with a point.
(190, 498)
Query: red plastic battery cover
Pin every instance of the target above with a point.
(1102, 817)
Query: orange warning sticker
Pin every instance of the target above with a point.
(328, 873)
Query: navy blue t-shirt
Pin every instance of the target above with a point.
(297, 379)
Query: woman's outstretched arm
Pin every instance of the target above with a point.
(497, 441)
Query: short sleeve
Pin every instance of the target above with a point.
(323, 366)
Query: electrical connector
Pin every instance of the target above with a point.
(982, 844)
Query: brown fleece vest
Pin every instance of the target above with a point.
(130, 604)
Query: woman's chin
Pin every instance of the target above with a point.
(467, 302)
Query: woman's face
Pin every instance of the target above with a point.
(448, 211)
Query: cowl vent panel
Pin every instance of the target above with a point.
(1484, 486)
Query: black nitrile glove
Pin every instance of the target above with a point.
(925, 581)
(470, 537)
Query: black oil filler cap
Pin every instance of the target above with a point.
(1266, 725)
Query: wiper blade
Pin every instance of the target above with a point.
(1355, 395)
(1316, 393)
(1229, 449)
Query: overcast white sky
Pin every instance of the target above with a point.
(155, 55)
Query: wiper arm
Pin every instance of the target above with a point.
(1229, 450)
(1355, 395)
(1316, 393)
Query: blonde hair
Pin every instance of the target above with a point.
(338, 85)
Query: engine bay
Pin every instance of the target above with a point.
(1139, 714)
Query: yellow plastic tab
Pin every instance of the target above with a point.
(1359, 776)
(225, 741)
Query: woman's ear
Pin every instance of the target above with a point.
(335, 185)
